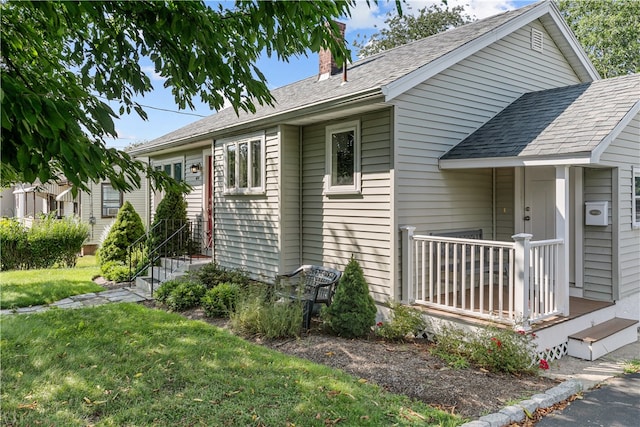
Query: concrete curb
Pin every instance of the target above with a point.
(518, 412)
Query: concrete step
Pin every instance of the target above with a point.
(603, 338)
(144, 284)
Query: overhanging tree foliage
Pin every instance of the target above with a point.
(609, 32)
(406, 28)
(62, 61)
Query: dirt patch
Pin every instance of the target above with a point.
(405, 368)
(108, 284)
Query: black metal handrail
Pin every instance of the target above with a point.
(141, 244)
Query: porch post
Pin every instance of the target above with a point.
(521, 279)
(407, 259)
(562, 232)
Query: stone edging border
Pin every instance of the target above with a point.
(516, 413)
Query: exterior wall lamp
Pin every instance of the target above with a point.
(195, 168)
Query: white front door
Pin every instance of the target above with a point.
(539, 202)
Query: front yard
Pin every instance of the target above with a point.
(125, 364)
(24, 288)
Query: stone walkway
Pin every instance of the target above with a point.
(88, 300)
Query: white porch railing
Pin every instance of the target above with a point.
(484, 278)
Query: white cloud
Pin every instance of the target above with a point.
(152, 73)
(366, 17)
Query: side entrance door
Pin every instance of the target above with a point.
(539, 202)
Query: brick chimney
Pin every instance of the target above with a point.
(328, 66)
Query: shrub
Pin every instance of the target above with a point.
(13, 244)
(164, 290)
(353, 311)
(185, 295)
(212, 274)
(221, 300)
(48, 242)
(405, 322)
(256, 314)
(115, 271)
(494, 349)
(170, 215)
(126, 229)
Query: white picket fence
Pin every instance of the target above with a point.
(484, 278)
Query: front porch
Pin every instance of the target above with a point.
(515, 284)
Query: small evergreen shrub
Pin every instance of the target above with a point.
(405, 322)
(353, 311)
(170, 216)
(212, 275)
(221, 300)
(126, 229)
(185, 296)
(257, 314)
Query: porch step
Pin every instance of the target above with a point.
(598, 340)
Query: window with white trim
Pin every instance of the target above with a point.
(342, 174)
(111, 201)
(635, 197)
(244, 161)
(172, 168)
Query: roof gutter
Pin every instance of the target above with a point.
(583, 158)
(276, 118)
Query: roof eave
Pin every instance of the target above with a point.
(505, 162)
(596, 153)
(262, 122)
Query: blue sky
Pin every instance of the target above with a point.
(363, 22)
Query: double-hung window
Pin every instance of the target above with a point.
(111, 200)
(635, 196)
(244, 160)
(342, 173)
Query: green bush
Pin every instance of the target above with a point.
(353, 311)
(212, 275)
(14, 247)
(115, 271)
(170, 215)
(221, 300)
(183, 296)
(125, 230)
(164, 290)
(256, 314)
(48, 242)
(493, 349)
(405, 322)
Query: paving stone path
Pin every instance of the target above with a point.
(88, 300)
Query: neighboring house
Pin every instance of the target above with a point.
(424, 163)
(98, 208)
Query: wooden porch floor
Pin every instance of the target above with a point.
(577, 307)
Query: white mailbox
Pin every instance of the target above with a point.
(596, 213)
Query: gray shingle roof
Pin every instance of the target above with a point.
(367, 74)
(567, 120)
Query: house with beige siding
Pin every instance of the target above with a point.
(485, 173)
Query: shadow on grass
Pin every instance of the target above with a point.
(124, 364)
(15, 295)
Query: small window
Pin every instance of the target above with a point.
(244, 165)
(111, 201)
(343, 159)
(635, 197)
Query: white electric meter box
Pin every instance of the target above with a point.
(596, 213)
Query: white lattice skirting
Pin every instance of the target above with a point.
(554, 353)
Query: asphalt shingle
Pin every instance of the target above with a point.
(567, 120)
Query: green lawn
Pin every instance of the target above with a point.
(124, 364)
(24, 288)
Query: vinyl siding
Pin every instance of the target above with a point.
(339, 226)
(598, 241)
(624, 152)
(436, 115)
(290, 196)
(246, 227)
(504, 204)
(91, 205)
